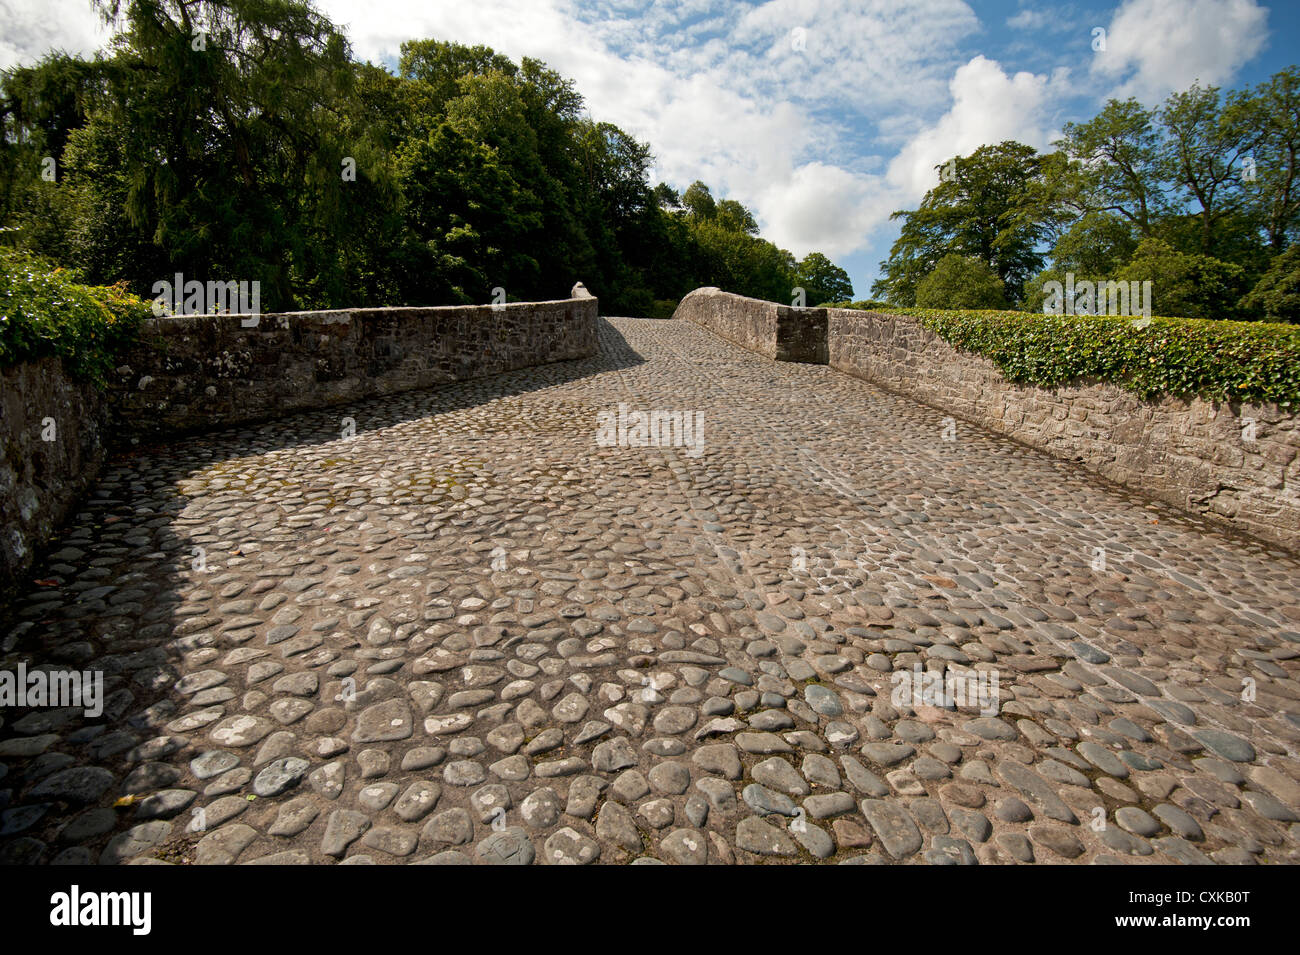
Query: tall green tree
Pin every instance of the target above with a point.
(823, 280)
(1202, 155)
(735, 217)
(230, 113)
(996, 208)
(1271, 171)
(1116, 165)
(699, 202)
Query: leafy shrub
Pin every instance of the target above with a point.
(1219, 360)
(960, 282)
(45, 311)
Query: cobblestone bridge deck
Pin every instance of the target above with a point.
(469, 633)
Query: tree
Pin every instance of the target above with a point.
(464, 213)
(959, 281)
(733, 216)
(744, 264)
(822, 280)
(229, 109)
(438, 67)
(995, 208)
(698, 202)
(1276, 296)
(100, 235)
(666, 197)
(41, 107)
(1202, 155)
(1272, 179)
(1096, 244)
(1116, 165)
(913, 256)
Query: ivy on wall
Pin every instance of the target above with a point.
(1181, 357)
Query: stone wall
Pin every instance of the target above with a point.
(779, 332)
(198, 372)
(52, 439)
(1189, 453)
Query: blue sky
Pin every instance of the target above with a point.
(822, 116)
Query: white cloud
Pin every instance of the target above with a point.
(988, 106)
(871, 51)
(1156, 46)
(1057, 18)
(825, 208)
(1031, 19)
(31, 28)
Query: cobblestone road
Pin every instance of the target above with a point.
(470, 633)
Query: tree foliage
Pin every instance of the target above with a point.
(240, 140)
(1199, 195)
(1277, 294)
(995, 208)
(822, 280)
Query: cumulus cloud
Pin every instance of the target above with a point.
(32, 28)
(1154, 47)
(988, 106)
(825, 208)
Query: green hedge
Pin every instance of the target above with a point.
(1185, 357)
(865, 305)
(45, 311)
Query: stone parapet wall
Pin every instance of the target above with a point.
(779, 332)
(52, 445)
(199, 372)
(1191, 453)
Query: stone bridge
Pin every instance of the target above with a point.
(505, 621)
